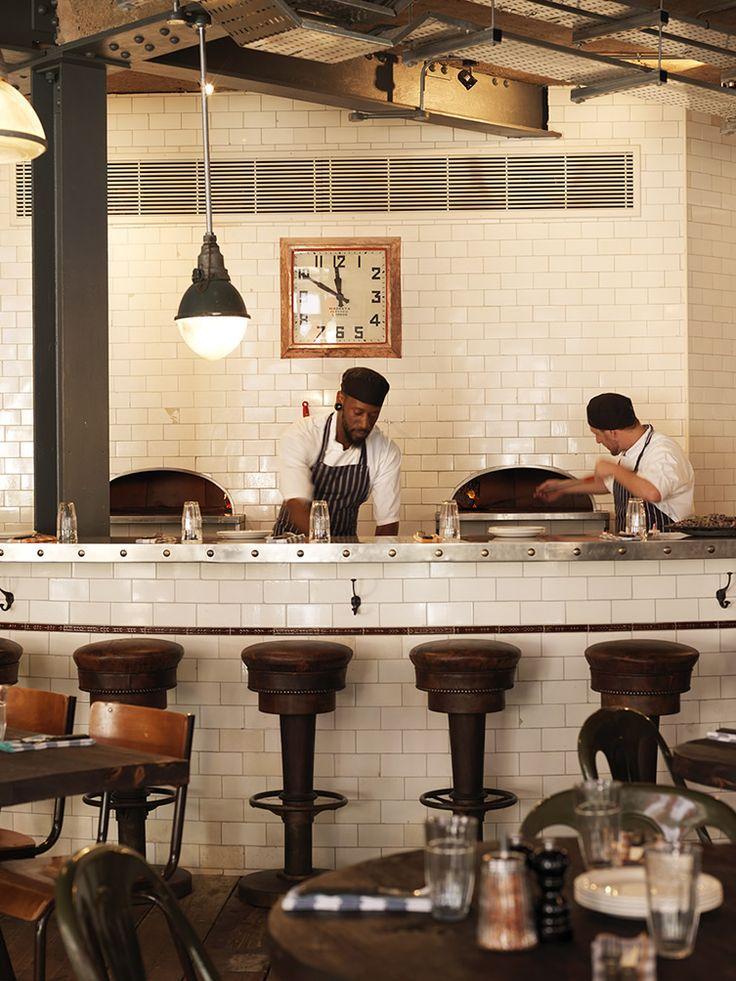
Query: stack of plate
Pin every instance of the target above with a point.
(622, 892)
(516, 531)
(253, 535)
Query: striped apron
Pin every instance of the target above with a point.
(344, 489)
(655, 517)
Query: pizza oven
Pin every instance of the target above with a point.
(149, 502)
(506, 494)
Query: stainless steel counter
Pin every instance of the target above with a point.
(378, 550)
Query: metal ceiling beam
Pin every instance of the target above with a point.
(499, 106)
(27, 25)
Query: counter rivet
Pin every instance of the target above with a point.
(576, 551)
(81, 553)
(485, 553)
(622, 551)
(438, 552)
(300, 553)
(1, 552)
(167, 553)
(346, 553)
(392, 553)
(711, 549)
(531, 551)
(123, 553)
(210, 553)
(255, 553)
(39, 553)
(667, 550)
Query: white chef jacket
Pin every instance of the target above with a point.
(665, 465)
(298, 451)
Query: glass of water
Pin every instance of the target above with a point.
(3, 710)
(191, 522)
(636, 518)
(672, 870)
(449, 864)
(449, 530)
(598, 821)
(319, 522)
(66, 523)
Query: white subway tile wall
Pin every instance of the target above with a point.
(382, 748)
(510, 323)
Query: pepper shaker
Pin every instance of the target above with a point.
(549, 864)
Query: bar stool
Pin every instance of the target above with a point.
(647, 675)
(10, 655)
(466, 679)
(135, 671)
(296, 680)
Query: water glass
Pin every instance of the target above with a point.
(636, 518)
(598, 821)
(66, 523)
(191, 522)
(319, 522)
(672, 871)
(449, 524)
(3, 710)
(449, 864)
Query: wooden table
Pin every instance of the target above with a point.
(706, 761)
(404, 947)
(44, 774)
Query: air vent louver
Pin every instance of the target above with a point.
(513, 182)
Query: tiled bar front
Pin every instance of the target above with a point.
(381, 748)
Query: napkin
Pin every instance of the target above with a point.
(351, 902)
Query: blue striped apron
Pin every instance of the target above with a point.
(655, 517)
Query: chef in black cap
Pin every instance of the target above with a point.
(649, 465)
(341, 459)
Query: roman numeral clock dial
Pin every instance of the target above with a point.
(340, 298)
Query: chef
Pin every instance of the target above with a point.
(341, 459)
(649, 465)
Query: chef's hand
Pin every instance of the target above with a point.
(551, 490)
(605, 468)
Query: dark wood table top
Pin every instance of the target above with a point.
(706, 761)
(404, 947)
(43, 774)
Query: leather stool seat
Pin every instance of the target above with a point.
(10, 655)
(134, 670)
(648, 675)
(293, 677)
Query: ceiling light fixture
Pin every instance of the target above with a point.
(21, 133)
(466, 77)
(212, 318)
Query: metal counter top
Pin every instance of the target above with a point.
(543, 549)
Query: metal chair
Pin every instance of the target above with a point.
(668, 811)
(95, 895)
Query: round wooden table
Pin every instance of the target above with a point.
(412, 947)
(706, 761)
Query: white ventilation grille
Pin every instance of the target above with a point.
(514, 182)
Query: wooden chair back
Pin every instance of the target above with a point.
(40, 711)
(150, 730)
(620, 734)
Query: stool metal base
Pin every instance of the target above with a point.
(263, 889)
(492, 800)
(180, 882)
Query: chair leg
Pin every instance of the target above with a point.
(39, 959)
(6, 966)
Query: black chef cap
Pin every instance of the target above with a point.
(365, 384)
(611, 411)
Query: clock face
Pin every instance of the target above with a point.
(340, 296)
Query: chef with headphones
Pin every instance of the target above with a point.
(342, 459)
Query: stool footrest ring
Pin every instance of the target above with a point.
(493, 799)
(161, 796)
(332, 803)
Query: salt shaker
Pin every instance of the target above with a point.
(552, 911)
(505, 919)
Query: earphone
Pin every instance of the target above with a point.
(338, 405)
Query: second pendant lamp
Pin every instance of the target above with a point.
(212, 318)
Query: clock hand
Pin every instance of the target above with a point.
(322, 286)
(341, 298)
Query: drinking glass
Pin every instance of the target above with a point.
(449, 864)
(449, 529)
(672, 870)
(319, 522)
(3, 706)
(636, 518)
(66, 523)
(598, 821)
(191, 522)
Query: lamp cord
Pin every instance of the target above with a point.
(205, 125)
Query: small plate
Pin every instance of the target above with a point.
(622, 892)
(516, 531)
(242, 536)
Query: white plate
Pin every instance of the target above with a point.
(622, 892)
(516, 531)
(243, 536)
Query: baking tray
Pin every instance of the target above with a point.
(705, 532)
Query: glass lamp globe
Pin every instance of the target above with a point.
(21, 133)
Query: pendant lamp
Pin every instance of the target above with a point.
(212, 317)
(21, 133)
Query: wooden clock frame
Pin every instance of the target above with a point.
(391, 347)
